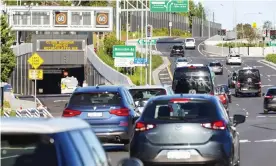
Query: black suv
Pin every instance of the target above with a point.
(270, 100)
(248, 82)
(177, 50)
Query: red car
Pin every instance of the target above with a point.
(222, 96)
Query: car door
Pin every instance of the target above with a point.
(234, 134)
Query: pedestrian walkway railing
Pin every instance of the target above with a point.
(29, 113)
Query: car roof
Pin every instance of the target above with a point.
(109, 88)
(41, 125)
(190, 38)
(190, 96)
(149, 87)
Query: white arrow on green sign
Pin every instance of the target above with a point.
(147, 42)
(272, 43)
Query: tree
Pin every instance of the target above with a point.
(245, 31)
(8, 59)
(267, 25)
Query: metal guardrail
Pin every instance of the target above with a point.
(30, 113)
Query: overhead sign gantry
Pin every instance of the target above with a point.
(60, 18)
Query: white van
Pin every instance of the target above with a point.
(190, 43)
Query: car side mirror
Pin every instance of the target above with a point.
(263, 94)
(65, 104)
(238, 119)
(130, 162)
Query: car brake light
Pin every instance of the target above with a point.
(268, 97)
(70, 113)
(212, 93)
(192, 67)
(238, 84)
(181, 100)
(217, 125)
(120, 112)
(141, 126)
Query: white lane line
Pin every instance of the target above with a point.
(260, 61)
(56, 101)
(269, 79)
(261, 116)
(261, 74)
(274, 75)
(234, 66)
(268, 140)
(257, 66)
(2, 158)
(237, 105)
(246, 112)
(244, 141)
(163, 74)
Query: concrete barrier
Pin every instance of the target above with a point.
(111, 75)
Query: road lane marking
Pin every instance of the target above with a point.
(257, 66)
(237, 105)
(164, 78)
(244, 141)
(274, 75)
(56, 101)
(163, 74)
(2, 158)
(268, 79)
(266, 85)
(268, 140)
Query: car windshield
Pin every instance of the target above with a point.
(145, 94)
(271, 92)
(96, 98)
(250, 75)
(214, 64)
(192, 81)
(190, 40)
(177, 47)
(192, 110)
(28, 149)
(182, 60)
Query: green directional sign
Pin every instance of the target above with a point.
(169, 5)
(121, 51)
(272, 43)
(147, 42)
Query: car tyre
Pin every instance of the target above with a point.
(237, 94)
(265, 111)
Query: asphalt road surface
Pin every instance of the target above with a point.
(258, 133)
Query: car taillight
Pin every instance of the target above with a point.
(212, 93)
(268, 97)
(70, 113)
(120, 112)
(180, 100)
(141, 126)
(217, 125)
(238, 84)
(192, 67)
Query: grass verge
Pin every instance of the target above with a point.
(271, 58)
(135, 76)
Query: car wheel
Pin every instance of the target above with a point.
(265, 111)
(237, 94)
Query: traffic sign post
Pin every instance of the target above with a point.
(122, 51)
(169, 6)
(35, 61)
(36, 74)
(147, 42)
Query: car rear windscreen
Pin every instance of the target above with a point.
(235, 56)
(28, 149)
(215, 64)
(178, 47)
(190, 40)
(96, 98)
(271, 92)
(253, 74)
(146, 94)
(182, 60)
(190, 111)
(192, 80)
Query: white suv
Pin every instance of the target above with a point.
(190, 43)
(233, 59)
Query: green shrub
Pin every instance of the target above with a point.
(233, 44)
(271, 58)
(109, 41)
(7, 104)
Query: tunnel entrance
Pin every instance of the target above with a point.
(51, 83)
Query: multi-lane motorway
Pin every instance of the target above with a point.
(258, 134)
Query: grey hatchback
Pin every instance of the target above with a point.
(186, 129)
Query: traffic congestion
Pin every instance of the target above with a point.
(191, 121)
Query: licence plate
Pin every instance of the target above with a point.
(244, 88)
(95, 114)
(177, 50)
(178, 155)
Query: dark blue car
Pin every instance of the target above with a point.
(110, 110)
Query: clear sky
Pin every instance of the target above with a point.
(246, 11)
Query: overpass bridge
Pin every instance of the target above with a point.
(63, 37)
